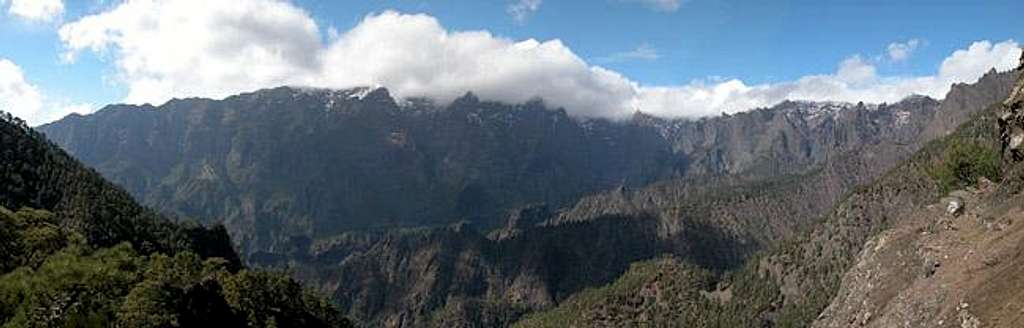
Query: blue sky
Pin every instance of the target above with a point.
(760, 41)
(676, 58)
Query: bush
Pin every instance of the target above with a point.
(964, 162)
(28, 236)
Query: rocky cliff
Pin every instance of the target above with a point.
(292, 162)
(1011, 121)
(370, 198)
(710, 225)
(899, 224)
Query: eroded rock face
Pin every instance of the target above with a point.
(1011, 121)
(312, 163)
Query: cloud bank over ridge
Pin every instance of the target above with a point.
(185, 48)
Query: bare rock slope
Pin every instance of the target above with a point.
(940, 268)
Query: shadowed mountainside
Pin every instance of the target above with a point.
(892, 253)
(288, 162)
(78, 251)
(305, 177)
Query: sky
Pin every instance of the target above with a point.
(595, 58)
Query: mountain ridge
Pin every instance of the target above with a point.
(900, 225)
(156, 146)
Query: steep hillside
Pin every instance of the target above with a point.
(990, 88)
(941, 266)
(37, 174)
(289, 162)
(954, 263)
(713, 223)
(730, 187)
(79, 252)
(787, 286)
(792, 284)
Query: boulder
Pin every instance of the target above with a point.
(954, 206)
(930, 266)
(955, 202)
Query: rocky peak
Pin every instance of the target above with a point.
(521, 219)
(469, 98)
(331, 99)
(916, 98)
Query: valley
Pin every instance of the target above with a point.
(511, 164)
(504, 211)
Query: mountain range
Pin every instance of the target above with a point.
(282, 162)
(410, 213)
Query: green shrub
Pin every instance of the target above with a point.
(54, 279)
(964, 162)
(28, 236)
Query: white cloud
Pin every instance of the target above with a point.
(37, 10)
(414, 55)
(901, 51)
(522, 9)
(165, 49)
(23, 99)
(59, 110)
(855, 71)
(643, 52)
(18, 96)
(661, 5)
(855, 80)
(966, 65)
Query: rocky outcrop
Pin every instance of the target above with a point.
(965, 100)
(522, 219)
(1011, 120)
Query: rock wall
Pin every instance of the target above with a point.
(1011, 120)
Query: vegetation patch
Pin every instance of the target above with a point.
(964, 162)
(652, 293)
(52, 278)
